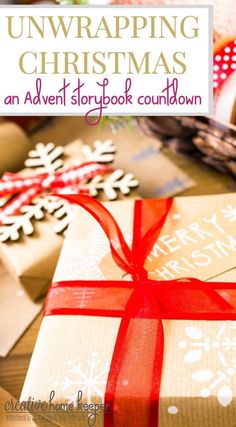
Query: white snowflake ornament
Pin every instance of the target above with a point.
(116, 182)
(47, 159)
(103, 152)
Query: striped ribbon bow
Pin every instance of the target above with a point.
(22, 190)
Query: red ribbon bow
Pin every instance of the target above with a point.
(134, 380)
(27, 188)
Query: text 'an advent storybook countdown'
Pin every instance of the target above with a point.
(106, 60)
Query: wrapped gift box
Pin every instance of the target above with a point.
(136, 153)
(12, 154)
(17, 311)
(197, 240)
(32, 258)
(74, 351)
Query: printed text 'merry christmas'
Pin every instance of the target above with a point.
(192, 249)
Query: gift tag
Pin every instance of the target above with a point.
(197, 240)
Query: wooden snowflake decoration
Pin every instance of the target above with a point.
(117, 181)
(48, 159)
(45, 158)
(103, 152)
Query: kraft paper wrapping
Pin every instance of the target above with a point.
(136, 153)
(74, 352)
(14, 146)
(10, 419)
(32, 259)
(17, 311)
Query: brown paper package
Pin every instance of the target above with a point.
(138, 153)
(199, 374)
(14, 146)
(32, 260)
(17, 311)
(8, 419)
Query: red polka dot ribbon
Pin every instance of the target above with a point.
(224, 62)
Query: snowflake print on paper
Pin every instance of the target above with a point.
(230, 213)
(81, 296)
(82, 258)
(90, 379)
(219, 380)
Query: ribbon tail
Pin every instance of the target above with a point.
(149, 218)
(136, 367)
(113, 375)
(156, 377)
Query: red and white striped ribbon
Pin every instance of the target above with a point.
(25, 189)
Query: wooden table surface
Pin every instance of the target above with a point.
(13, 368)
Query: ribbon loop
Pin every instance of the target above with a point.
(149, 217)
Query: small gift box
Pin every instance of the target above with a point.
(14, 145)
(17, 311)
(31, 225)
(26, 252)
(126, 347)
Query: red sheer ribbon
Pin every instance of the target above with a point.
(134, 379)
